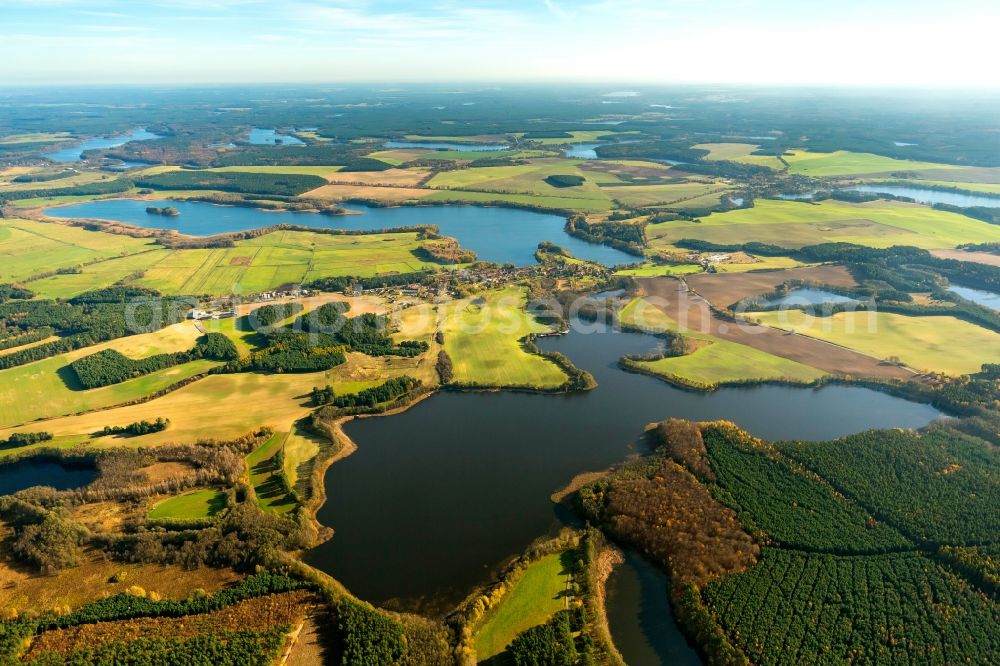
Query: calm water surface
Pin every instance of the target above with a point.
(75, 153)
(640, 618)
(928, 196)
(496, 234)
(437, 496)
(583, 151)
(986, 298)
(262, 136)
(807, 296)
(28, 473)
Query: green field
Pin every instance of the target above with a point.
(258, 264)
(739, 152)
(718, 361)
(555, 201)
(845, 163)
(211, 408)
(526, 179)
(97, 275)
(794, 224)
(48, 388)
(939, 343)
(29, 248)
(482, 340)
(80, 178)
(536, 596)
(35, 137)
(189, 506)
(705, 194)
(269, 484)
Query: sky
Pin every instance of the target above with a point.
(905, 43)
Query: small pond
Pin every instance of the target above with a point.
(262, 136)
(988, 299)
(75, 153)
(809, 296)
(583, 151)
(27, 473)
(797, 196)
(501, 235)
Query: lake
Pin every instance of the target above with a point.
(500, 235)
(74, 153)
(443, 145)
(928, 196)
(437, 496)
(583, 151)
(27, 473)
(640, 617)
(262, 136)
(985, 298)
(808, 296)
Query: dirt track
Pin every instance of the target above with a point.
(987, 258)
(693, 313)
(724, 289)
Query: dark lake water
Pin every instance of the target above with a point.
(641, 620)
(28, 473)
(262, 136)
(801, 196)
(929, 196)
(437, 496)
(985, 298)
(444, 145)
(74, 153)
(496, 234)
(807, 296)
(583, 151)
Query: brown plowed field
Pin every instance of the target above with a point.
(692, 312)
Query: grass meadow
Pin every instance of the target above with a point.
(846, 163)
(267, 476)
(29, 248)
(189, 506)
(794, 224)
(536, 596)
(481, 335)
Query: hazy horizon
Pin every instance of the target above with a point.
(777, 43)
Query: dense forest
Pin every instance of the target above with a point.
(232, 181)
(833, 539)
